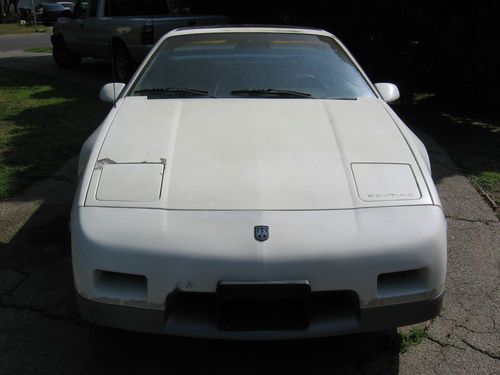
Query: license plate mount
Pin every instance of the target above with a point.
(273, 305)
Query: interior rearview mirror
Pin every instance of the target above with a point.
(111, 91)
(388, 91)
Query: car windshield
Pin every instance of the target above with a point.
(250, 65)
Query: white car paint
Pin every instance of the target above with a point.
(171, 189)
(299, 167)
(388, 91)
(110, 91)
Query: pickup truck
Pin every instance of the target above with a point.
(121, 30)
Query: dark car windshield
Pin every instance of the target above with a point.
(251, 64)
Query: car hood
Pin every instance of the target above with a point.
(255, 154)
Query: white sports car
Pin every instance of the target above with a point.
(252, 183)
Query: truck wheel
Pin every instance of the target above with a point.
(122, 63)
(62, 56)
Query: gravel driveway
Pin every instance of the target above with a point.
(40, 331)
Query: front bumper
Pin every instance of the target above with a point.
(130, 260)
(158, 322)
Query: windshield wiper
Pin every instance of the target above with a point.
(172, 90)
(271, 92)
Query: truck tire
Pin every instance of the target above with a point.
(62, 56)
(122, 63)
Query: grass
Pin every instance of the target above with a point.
(16, 28)
(39, 50)
(489, 181)
(472, 140)
(475, 148)
(411, 338)
(43, 123)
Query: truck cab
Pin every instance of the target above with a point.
(124, 30)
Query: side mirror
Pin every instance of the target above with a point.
(111, 91)
(388, 91)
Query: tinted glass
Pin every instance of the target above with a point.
(222, 63)
(80, 9)
(93, 8)
(120, 8)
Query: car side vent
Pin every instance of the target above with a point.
(401, 283)
(123, 286)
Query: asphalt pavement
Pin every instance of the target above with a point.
(41, 332)
(20, 42)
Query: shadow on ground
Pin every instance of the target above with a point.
(92, 73)
(44, 121)
(471, 138)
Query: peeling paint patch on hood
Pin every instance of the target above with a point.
(130, 182)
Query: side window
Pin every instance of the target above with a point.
(93, 8)
(80, 10)
(119, 8)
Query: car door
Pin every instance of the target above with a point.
(82, 29)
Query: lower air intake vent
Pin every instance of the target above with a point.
(401, 283)
(123, 286)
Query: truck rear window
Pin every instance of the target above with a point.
(120, 8)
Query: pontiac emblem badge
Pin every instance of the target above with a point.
(261, 232)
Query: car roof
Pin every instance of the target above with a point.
(247, 28)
